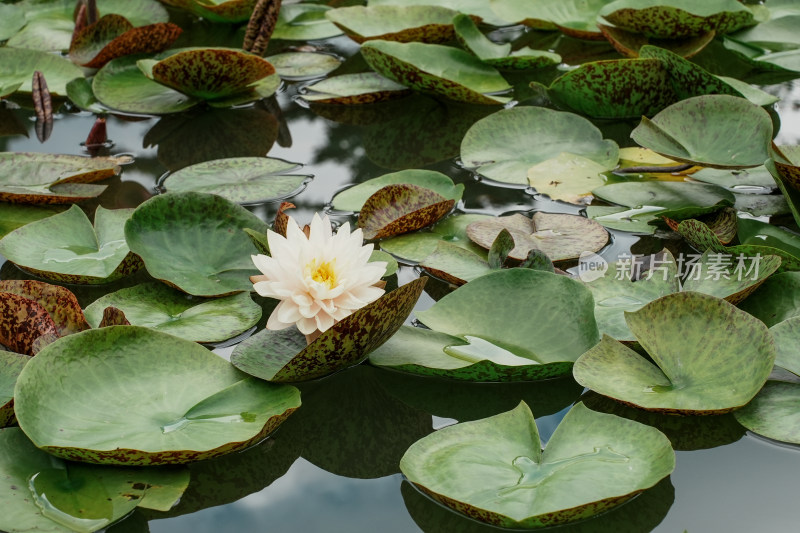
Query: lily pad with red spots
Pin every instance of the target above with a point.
(401, 208)
(407, 23)
(354, 198)
(59, 302)
(66, 405)
(784, 159)
(10, 367)
(25, 326)
(284, 356)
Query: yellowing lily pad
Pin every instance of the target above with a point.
(567, 177)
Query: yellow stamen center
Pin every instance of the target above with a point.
(324, 273)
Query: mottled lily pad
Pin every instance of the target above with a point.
(355, 89)
(506, 144)
(303, 65)
(68, 248)
(49, 495)
(353, 198)
(776, 300)
(19, 65)
(245, 180)
(420, 23)
(477, 331)
(401, 208)
(193, 241)
(785, 160)
(437, 69)
(708, 370)
(417, 246)
(65, 403)
(718, 131)
(494, 470)
(455, 264)
(629, 43)
(283, 356)
(10, 367)
(26, 326)
(60, 303)
(559, 236)
(156, 306)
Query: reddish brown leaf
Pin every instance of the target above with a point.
(59, 302)
(261, 25)
(113, 316)
(142, 40)
(401, 208)
(22, 321)
(282, 219)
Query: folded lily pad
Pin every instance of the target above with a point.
(283, 356)
(576, 18)
(59, 302)
(354, 89)
(419, 245)
(156, 306)
(407, 23)
(709, 356)
(478, 334)
(437, 69)
(70, 249)
(204, 408)
(353, 198)
(559, 236)
(455, 264)
(494, 470)
(304, 22)
(303, 65)
(19, 65)
(193, 241)
(718, 131)
(10, 367)
(401, 208)
(245, 180)
(43, 493)
(506, 144)
(630, 43)
(728, 276)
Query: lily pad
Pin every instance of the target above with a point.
(494, 469)
(630, 43)
(245, 180)
(407, 23)
(26, 326)
(709, 370)
(60, 303)
(303, 65)
(223, 10)
(204, 407)
(419, 245)
(567, 177)
(69, 249)
(10, 367)
(506, 144)
(728, 276)
(776, 300)
(354, 89)
(156, 306)
(479, 8)
(455, 264)
(784, 159)
(13, 216)
(353, 198)
(576, 18)
(559, 236)
(478, 335)
(304, 22)
(401, 208)
(718, 131)
(19, 65)
(193, 241)
(43, 493)
(437, 69)
(773, 412)
(283, 356)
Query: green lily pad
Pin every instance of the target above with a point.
(479, 8)
(730, 277)
(455, 264)
(13, 216)
(773, 412)
(283, 356)
(204, 407)
(245, 180)
(504, 145)
(401, 208)
(303, 65)
(304, 22)
(674, 19)
(785, 334)
(19, 65)
(559, 236)
(494, 469)
(419, 245)
(718, 131)
(354, 198)
(777, 34)
(477, 334)
(354, 89)
(407, 23)
(755, 179)
(223, 10)
(437, 69)
(576, 18)
(10, 367)
(79, 92)
(776, 300)
(156, 306)
(12, 19)
(193, 241)
(630, 43)
(711, 369)
(61, 305)
(43, 493)
(69, 249)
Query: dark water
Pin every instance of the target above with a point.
(333, 466)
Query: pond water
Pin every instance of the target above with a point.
(333, 466)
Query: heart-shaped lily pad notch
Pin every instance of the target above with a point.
(354, 198)
(675, 19)
(43, 493)
(10, 367)
(193, 241)
(559, 236)
(504, 145)
(156, 306)
(204, 408)
(68, 248)
(420, 23)
(114, 36)
(400, 208)
(33, 178)
(284, 356)
(494, 470)
(495, 328)
(354, 89)
(245, 180)
(718, 131)
(709, 356)
(19, 64)
(437, 69)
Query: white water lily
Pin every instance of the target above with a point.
(319, 279)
